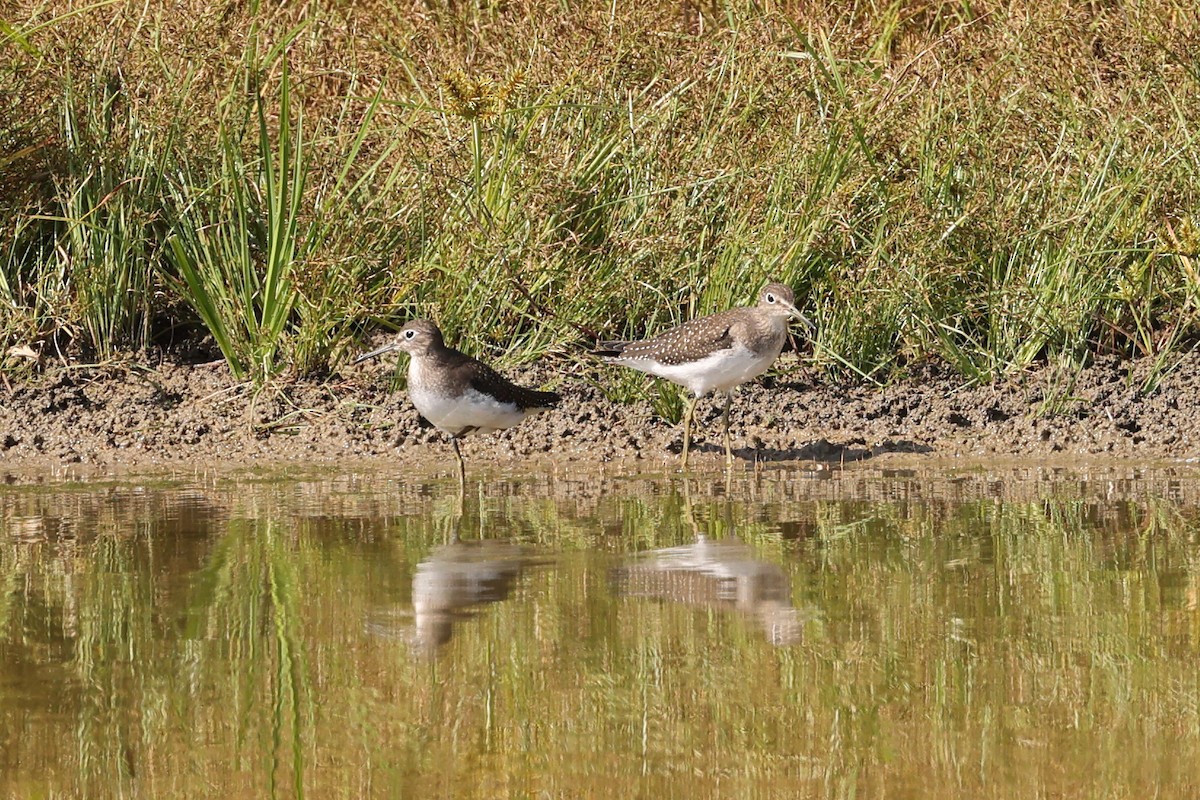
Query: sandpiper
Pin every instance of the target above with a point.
(457, 393)
(719, 351)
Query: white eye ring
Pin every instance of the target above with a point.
(770, 298)
(409, 334)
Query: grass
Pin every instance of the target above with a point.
(234, 244)
(989, 186)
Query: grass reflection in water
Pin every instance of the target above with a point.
(853, 634)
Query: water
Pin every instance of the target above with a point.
(831, 634)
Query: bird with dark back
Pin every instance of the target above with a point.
(458, 394)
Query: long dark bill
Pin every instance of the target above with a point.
(795, 312)
(387, 348)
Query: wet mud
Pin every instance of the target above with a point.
(128, 414)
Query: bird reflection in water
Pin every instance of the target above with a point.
(453, 584)
(716, 573)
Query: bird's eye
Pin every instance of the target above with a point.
(409, 334)
(770, 298)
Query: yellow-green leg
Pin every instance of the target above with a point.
(687, 430)
(462, 465)
(728, 446)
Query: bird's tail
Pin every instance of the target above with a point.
(610, 349)
(535, 399)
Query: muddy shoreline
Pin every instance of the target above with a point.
(130, 415)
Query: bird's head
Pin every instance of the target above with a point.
(416, 338)
(778, 300)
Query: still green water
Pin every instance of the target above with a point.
(816, 634)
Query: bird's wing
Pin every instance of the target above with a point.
(483, 378)
(690, 341)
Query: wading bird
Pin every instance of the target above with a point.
(456, 393)
(717, 352)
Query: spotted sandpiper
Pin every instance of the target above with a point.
(457, 393)
(719, 351)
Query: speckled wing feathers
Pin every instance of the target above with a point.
(683, 344)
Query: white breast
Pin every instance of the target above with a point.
(472, 409)
(721, 370)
